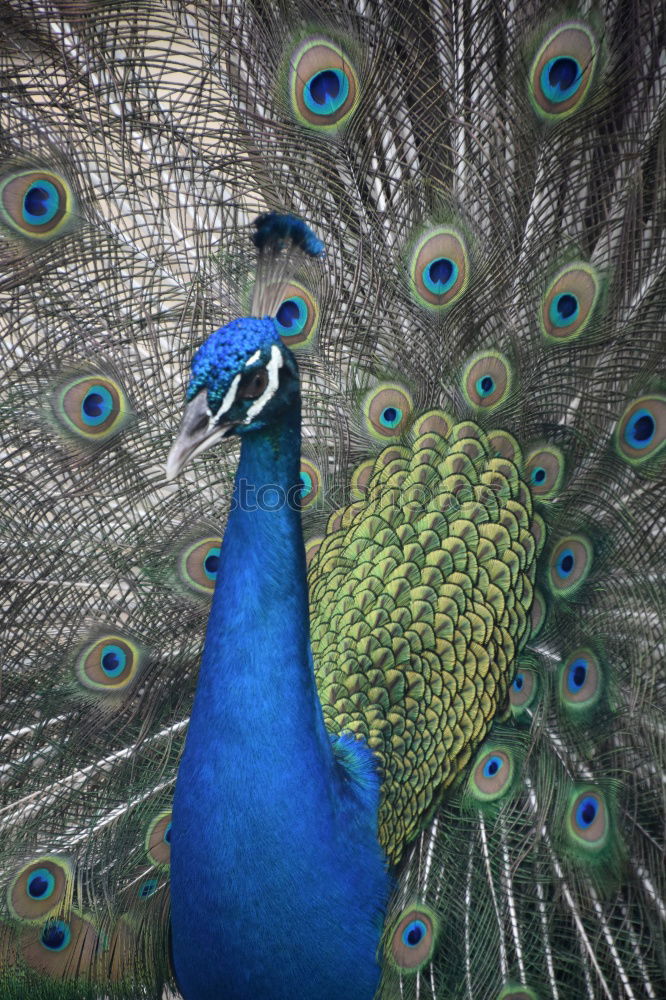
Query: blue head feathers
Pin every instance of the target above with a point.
(282, 232)
(244, 345)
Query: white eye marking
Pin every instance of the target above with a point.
(255, 357)
(229, 397)
(273, 369)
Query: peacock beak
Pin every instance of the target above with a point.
(198, 431)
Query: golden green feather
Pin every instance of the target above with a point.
(420, 599)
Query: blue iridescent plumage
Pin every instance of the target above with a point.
(225, 352)
(289, 844)
(274, 232)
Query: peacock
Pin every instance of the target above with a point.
(333, 422)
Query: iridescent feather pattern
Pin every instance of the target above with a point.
(426, 586)
(479, 351)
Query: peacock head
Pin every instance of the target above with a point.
(242, 379)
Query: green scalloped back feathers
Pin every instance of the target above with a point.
(419, 606)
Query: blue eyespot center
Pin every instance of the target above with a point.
(564, 309)
(292, 316)
(640, 429)
(586, 812)
(41, 884)
(518, 682)
(414, 933)
(390, 416)
(306, 484)
(96, 406)
(40, 203)
(560, 78)
(211, 562)
(485, 385)
(113, 660)
(167, 834)
(577, 675)
(38, 887)
(148, 888)
(440, 275)
(92, 404)
(492, 766)
(326, 91)
(325, 86)
(565, 563)
(56, 935)
(538, 475)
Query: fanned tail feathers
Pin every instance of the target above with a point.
(489, 182)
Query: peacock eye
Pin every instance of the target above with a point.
(413, 939)
(39, 888)
(56, 935)
(255, 386)
(323, 83)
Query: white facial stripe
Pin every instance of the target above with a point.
(229, 397)
(273, 369)
(255, 357)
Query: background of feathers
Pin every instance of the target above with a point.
(173, 126)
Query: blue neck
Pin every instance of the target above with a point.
(277, 877)
(259, 616)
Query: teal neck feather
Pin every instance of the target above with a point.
(277, 876)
